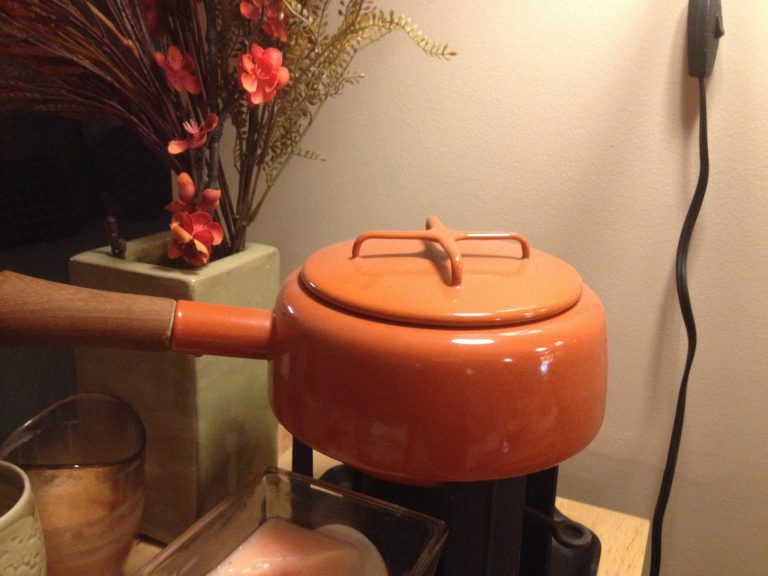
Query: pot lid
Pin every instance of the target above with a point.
(443, 277)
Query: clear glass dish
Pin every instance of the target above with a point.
(409, 542)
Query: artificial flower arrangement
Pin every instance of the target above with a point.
(178, 71)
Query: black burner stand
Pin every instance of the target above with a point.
(505, 527)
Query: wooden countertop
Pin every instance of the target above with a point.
(623, 537)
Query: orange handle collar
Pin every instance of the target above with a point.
(203, 328)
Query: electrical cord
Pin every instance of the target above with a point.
(681, 277)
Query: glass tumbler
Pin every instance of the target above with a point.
(85, 459)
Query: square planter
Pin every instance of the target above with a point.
(210, 428)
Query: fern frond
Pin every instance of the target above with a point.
(308, 154)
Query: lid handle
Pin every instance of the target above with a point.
(436, 231)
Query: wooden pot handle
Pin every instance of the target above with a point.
(39, 312)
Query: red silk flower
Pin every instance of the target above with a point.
(179, 69)
(198, 135)
(151, 17)
(209, 198)
(262, 74)
(194, 236)
(193, 231)
(275, 19)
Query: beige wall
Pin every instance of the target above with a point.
(574, 122)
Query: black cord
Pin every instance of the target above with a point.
(681, 276)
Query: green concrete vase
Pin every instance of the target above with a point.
(208, 420)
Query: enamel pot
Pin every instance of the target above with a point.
(420, 357)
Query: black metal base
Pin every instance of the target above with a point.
(506, 527)
(554, 545)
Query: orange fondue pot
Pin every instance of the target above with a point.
(419, 357)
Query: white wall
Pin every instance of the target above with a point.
(574, 122)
